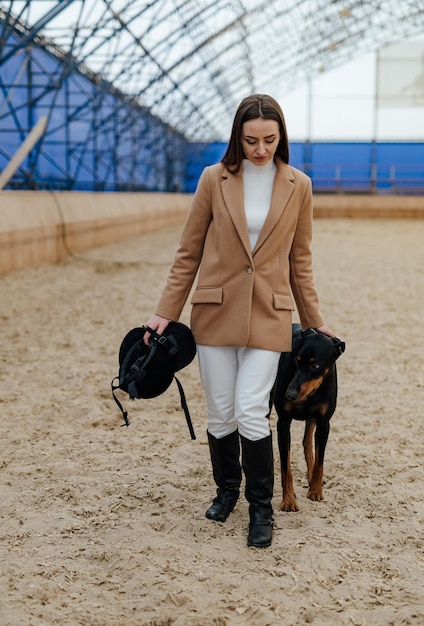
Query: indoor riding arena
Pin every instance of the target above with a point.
(109, 111)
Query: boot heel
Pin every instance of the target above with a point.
(260, 528)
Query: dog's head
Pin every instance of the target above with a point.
(314, 356)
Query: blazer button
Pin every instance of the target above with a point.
(249, 270)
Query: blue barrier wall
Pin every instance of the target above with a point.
(199, 156)
(96, 138)
(362, 167)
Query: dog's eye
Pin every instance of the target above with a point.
(315, 366)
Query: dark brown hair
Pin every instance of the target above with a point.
(252, 107)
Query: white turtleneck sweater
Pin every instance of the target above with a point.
(258, 181)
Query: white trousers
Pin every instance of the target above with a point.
(237, 384)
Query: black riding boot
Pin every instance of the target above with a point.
(225, 457)
(258, 467)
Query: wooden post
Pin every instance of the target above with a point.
(23, 151)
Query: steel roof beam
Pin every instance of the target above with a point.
(38, 26)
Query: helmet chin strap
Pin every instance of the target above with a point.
(121, 408)
(185, 409)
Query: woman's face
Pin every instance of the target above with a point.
(259, 140)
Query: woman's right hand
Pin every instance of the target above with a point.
(156, 323)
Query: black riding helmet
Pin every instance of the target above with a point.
(147, 371)
(144, 371)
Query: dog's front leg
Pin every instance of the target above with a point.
(308, 447)
(289, 502)
(315, 491)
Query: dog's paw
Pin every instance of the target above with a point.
(315, 494)
(289, 505)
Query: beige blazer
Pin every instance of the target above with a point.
(245, 297)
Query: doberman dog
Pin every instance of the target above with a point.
(306, 389)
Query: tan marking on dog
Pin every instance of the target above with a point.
(308, 447)
(308, 388)
(289, 502)
(315, 486)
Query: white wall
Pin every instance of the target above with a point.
(342, 104)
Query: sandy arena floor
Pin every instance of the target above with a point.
(102, 525)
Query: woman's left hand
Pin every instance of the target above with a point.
(156, 323)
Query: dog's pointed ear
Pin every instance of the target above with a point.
(339, 346)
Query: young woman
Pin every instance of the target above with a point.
(248, 236)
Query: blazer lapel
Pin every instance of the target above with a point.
(281, 193)
(232, 191)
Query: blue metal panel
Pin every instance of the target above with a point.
(349, 167)
(297, 155)
(341, 166)
(96, 138)
(400, 166)
(199, 156)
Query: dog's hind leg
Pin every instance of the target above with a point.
(289, 502)
(316, 480)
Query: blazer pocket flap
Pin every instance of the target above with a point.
(207, 295)
(283, 301)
